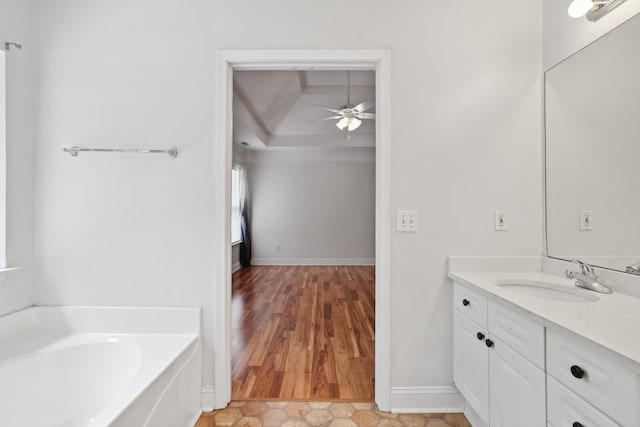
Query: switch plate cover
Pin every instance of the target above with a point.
(407, 220)
(500, 218)
(586, 216)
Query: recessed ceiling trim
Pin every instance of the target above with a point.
(243, 113)
(339, 90)
(312, 141)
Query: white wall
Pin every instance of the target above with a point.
(563, 35)
(136, 230)
(312, 207)
(125, 229)
(16, 26)
(235, 258)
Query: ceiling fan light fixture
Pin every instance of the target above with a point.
(350, 116)
(354, 124)
(342, 123)
(350, 123)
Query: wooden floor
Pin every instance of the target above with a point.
(303, 333)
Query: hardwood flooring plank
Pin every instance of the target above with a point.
(303, 332)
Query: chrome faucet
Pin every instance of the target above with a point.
(587, 278)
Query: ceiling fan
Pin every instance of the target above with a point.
(350, 116)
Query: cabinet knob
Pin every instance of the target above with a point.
(480, 336)
(489, 343)
(577, 424)
(465, 302)
(577, 372)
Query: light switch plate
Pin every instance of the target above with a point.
(407, 220)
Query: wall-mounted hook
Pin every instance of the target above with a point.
(8, 45)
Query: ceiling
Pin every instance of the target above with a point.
(281, 108)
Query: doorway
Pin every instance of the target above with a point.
(230, 61)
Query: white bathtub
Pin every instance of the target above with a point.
(83, 366)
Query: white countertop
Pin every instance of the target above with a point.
(612, 322)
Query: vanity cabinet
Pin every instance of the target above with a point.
(516, 369)
(503, 386)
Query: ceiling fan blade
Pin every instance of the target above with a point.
(327, 118)
(365, 105)
(333, 110)
(365, 116)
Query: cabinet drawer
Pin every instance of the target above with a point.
(521, 333)
(473, 304)
(564, 408)
(597, 375)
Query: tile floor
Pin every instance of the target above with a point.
(323, 414)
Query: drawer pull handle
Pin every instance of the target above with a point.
(577, 372)
(489, 343)
(480, 336)
(465, 302)
(577, 424)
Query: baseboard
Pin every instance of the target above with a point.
(208, 398)
(313, 261)
(426, 400)
(235, 266)
(195, 419)
(472, 416)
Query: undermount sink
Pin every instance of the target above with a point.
(548, 291)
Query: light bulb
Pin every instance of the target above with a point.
(354, 124)
(342, 123)
(579, 8)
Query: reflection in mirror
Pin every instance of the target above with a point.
(592, 119)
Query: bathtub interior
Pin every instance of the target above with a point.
(70, 381)
(55, 372)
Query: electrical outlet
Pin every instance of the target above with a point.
(500, 218)
(407, 220)
(585, 220)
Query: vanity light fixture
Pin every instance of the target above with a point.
(594, 9)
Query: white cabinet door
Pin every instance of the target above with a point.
(517, 389)
(471, 363)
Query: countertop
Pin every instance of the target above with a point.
(613, 322)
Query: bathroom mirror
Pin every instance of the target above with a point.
(592, 127)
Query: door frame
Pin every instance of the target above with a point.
(335, 59)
